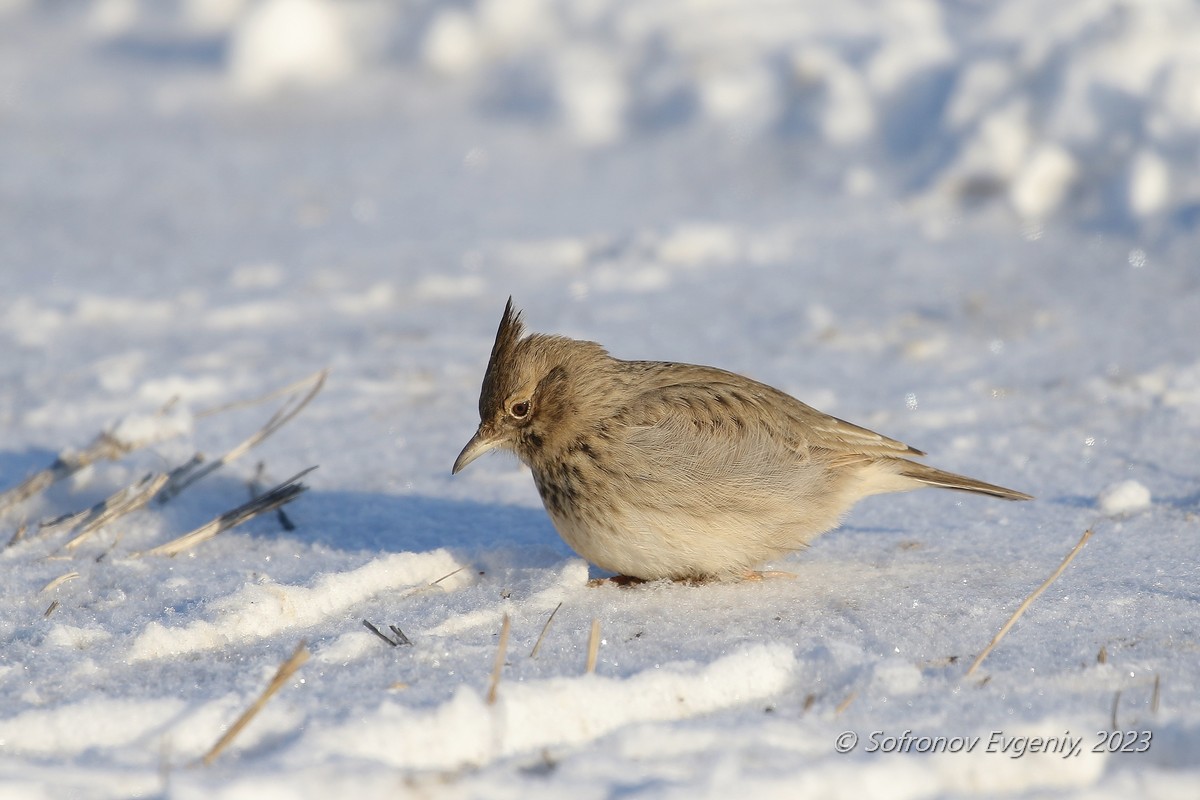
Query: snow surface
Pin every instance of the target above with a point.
(970, 226)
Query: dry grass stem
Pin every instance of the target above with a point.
(105, 447)
(449, 575)
(18, 534)
(283, 391)
(400, 639)
(112, 546)
(59, 581)
(126, 501)
(164, 767)
(379, 633)
(285, 672)
(50, 609)
(282, 494)
(1116, 704)
(1021, 609)
(593, 646)
(256, 484)
(538, 644)
(842, 706)
(182, 479)
(498, 666)
(1155, 696)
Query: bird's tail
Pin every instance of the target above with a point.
(932, 476)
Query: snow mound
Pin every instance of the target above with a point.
(290, 43)
(1080, 108)
(1088, 108)
(75, 727)
(1126, 497)
(263, 609)
(557, 711)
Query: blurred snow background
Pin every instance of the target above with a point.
(970, 225)
(1090, 109)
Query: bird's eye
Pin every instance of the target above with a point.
(519, 410)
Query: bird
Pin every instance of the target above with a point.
(659, 470)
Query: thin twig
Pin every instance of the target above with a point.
(842, 706)
(1029, 601)
(183, 480)
(1116, 704)
(282, 494)
(401, 639)
(285, 672)
(498, 666)
(593, 646)
(1154, 697)
(538, 644)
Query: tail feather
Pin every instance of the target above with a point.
(949, 480)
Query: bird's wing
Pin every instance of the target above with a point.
(727, 405)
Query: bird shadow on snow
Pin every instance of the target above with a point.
(373, 521)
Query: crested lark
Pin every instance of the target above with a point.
(658, 470)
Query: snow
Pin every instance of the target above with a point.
(138, 430)
(969, 226)
(1125, 497)
(289, 43)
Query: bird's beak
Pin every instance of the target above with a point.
(482, 442)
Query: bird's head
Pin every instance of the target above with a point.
(530, 400)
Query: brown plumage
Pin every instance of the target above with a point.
(659, 470)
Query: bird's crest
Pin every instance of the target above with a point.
(501, 366)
